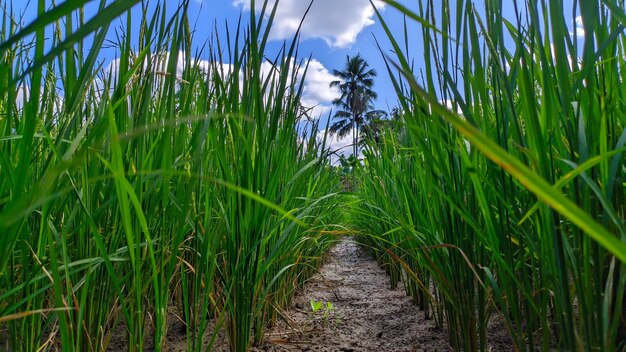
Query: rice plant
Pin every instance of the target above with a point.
(173, 186)
(501, 196)
(182, 184)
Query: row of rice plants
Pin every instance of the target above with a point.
(501, 196)
(165, 188)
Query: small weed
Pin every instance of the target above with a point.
(328, 311)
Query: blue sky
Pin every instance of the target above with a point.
(329, 34)
(332, 30)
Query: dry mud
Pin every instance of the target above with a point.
(366, 314)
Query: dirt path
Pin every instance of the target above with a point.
(366, 315)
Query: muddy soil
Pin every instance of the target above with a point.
(366, 315)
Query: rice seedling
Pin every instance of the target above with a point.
(509, 206)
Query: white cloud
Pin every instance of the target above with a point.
(451, 105)
(159, 66)
(579, 31)
(317, 96)
(23, 96)
(338, 22)
(316, 93)
(337, 146)
(570, 59)
(318, 80)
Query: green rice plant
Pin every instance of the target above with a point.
(166, 187)
(510, 206)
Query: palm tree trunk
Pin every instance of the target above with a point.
(356, 141)
(354, 138)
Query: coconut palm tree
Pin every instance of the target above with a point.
(355, 104)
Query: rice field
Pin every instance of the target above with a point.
(135, 197)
